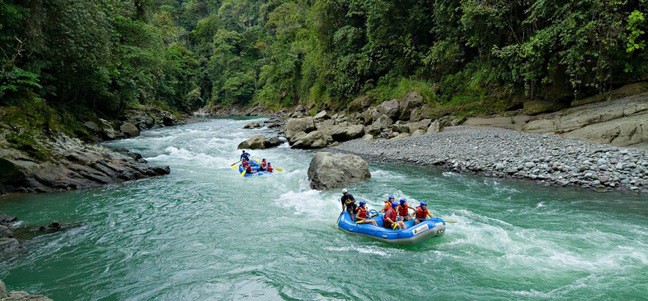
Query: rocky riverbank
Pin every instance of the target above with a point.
(545, 158)
(39, 151)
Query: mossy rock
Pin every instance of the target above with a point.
(536, 107)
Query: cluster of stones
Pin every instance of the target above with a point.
(134, 122)
(390, 119)
(546, 158)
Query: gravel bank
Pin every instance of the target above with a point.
(545, 158)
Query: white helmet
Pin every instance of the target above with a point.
(344, 190)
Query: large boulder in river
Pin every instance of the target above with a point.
(254, 142)
(260, 142)
(328, 171)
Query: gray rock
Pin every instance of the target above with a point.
(273, 142)
(296, 125)
(313, 140)
(9, 245)
(322, 115)
(389, 108)
(254, 142)
(383, 123)
(411, 101)
(129, 130)
(252, 125)
(420, 125)
(328, 171)
(435, 127)
(5, 233)
(344, 133)
(529, 165)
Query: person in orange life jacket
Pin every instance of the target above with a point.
(269, 169)
(349, 201)
(361, 215)
(390, 221)
(388, 203)
(422, 213)
(264, 165)
(403, 210)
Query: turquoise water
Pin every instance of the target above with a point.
(206, 233)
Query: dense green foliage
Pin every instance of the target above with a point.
(104, 55)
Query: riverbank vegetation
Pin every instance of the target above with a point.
(89, 57)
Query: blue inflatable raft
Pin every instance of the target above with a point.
(411, 235)
(255, 167)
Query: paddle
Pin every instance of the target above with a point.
(233, 165)
(243, 173)
(279, 169)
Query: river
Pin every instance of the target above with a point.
(206, 233)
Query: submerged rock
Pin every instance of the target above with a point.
(327, 170)
(19, 295)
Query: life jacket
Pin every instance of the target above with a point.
(402, 210)
(362, 212)
(422, 213)
(391, 214)
(269, 169)
(248, 169)
(263, 166)
(245, 164)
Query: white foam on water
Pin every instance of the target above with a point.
(386, 175)
(362, 250)
(309, 203)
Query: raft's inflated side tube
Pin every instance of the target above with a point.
(255, 167)
(412, 234)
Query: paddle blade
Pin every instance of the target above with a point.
(279, 169)
(243, 173)
(234, 166)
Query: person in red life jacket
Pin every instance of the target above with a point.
(245, 164)
(264, 165)
(422, 213)
(390, 221)
(249, 169)
(403, 210)
(388, 203)
(269, 169)
(361, 215)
